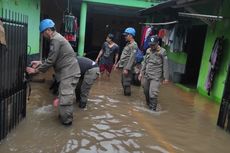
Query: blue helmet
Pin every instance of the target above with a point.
(46, 23)
(130, 31)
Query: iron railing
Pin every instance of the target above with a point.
(224, 113)
(13, 58)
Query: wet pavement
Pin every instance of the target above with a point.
(113, 123)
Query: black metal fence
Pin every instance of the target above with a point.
(224, 113)
(12, 67)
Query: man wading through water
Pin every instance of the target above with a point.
(127, 60)
(67, 71)
(106, 55)
(154, 71)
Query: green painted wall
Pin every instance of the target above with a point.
(31, 8)
(177, 57)
(83, 17)
(221, 28)
(128, 3)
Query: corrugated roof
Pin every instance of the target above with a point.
(171, 4)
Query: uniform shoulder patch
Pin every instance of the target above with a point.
(51, 47)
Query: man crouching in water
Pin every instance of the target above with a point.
(89, 74)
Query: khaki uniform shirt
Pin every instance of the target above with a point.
(127, 59)
(62, 57)
(155, 65)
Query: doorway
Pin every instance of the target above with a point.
(194, 48)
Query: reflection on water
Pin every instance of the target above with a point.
(44, 110)
(158, 148)
(113, 123)
(149, 111)
(70, 146)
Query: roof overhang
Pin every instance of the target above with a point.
(171, 4)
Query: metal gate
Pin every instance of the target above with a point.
(13, 57)
(224, 113)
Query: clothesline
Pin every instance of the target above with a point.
(194, 15)
(175, 37)
(158, 24)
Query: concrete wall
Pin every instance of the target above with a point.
(53, 9)
(31, 8)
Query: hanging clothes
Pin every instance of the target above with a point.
(70, 27)
(148, 34)
(162, 33)
(144, 29)
(178, 38)
(165, 38)
(145, 38)
(214, 61)
(70, 24)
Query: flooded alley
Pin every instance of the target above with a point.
(113, 123)
(184, 43)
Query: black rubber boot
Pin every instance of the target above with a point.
(153, 104)
(147, 100)
(127, 91)
(82, 104)
(66, 120)
(66, 114)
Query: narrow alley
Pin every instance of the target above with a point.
(111, 123)
(176, 50)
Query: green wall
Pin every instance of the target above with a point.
(83, 19)
(221, 28)
(177, 57)
(31, 8)
(128, 3)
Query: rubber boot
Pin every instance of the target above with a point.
(153, 104)
(66, 114)
(82, 104)
(127, 91)
(147, 100)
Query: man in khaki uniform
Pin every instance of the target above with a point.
(154, 70)
(127, 60)
(67, 71)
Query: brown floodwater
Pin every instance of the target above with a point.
(113, 123)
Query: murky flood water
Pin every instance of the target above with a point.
(113, 123)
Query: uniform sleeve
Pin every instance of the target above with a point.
(144, 63)
(52, 57)
(165, 66)
(143, 68)
(131, 59)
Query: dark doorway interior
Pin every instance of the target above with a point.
(194, 48)
(104, 19)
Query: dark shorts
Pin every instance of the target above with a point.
(107, 67)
